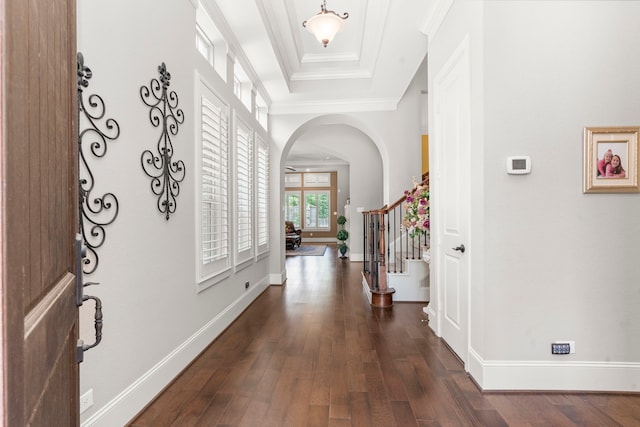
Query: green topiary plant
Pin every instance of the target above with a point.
(342, 235)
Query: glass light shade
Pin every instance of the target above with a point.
(324, 26)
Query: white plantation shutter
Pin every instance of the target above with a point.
(262, 198)
(244, 185)
(214, 185)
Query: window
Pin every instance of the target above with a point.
(293, 180)
(316, 209)
(237, 87)
(292, 205)
(242, 86)
(262, 170)
(317, 179)
(210, 43)
(308, 200)
(204, 45)
(261, 111)
(214, 194)
(244, 188)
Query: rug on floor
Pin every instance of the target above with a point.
(314, 250)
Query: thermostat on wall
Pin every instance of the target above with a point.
(518, 165)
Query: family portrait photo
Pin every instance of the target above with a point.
(610, 160)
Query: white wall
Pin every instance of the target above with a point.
(155, 321)
(557, 264)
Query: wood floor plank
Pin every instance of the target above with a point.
(403, 414)
(315, 353)
(298, 407)
(215, 410)
(254, 414)
(322, 375)
(318, 416)
(338, 392)
(381, 413)
(360, 409)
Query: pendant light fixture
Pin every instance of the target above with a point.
(325, 24)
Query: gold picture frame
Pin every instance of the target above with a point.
(611, 160)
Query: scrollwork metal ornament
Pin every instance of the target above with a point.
(165, 173)
(95, 213)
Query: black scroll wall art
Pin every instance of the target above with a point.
(166, 174)
(95, 212)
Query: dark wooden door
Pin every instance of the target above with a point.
(39, 212)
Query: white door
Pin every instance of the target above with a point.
(452, 104)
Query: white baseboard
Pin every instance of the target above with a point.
(354, 257)
(278, 279)
(554, 376)
(132, 399)
(431, 315)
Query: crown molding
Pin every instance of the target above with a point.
(434, 20)
(335, 106)
(332, 75)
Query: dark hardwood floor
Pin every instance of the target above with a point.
(314, 353)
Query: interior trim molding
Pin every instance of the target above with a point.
(278, 279)
(336, 106)
(560, 375)
(434, 21)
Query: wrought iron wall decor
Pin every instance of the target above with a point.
(95, 213)
(165, 173)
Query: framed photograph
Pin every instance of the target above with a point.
(611, 160)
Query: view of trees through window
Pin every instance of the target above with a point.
(292, 208)
(315, 206)
(316, 209)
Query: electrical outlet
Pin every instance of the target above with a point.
(563, 347)
(246, 285)
(86, 400)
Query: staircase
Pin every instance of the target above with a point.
(411, 282)
(393, 266)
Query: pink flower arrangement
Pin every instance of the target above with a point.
(416, 210)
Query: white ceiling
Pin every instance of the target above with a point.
(368, 65)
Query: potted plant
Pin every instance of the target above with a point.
(342, 236)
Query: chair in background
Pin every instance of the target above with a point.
(292, 236)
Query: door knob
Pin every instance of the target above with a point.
(459, 248)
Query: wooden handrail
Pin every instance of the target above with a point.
(397, 203)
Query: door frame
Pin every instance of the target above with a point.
(440, 251)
